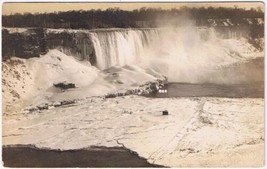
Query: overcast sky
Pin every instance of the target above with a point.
(11, 8)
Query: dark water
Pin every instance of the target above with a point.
(30, 156)
(245, 80)
(255, 90)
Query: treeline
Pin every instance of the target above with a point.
(115, 17)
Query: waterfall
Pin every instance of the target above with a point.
(118, 48)
(182, 54)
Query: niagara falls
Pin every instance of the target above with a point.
(133, 85)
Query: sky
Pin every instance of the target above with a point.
(11, 8)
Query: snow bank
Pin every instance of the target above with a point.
(56, 67)
(32, 81)
(28, 78)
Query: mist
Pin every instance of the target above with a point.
(185, 54)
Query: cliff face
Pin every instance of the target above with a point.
(23, 43)
(37, 41)
(77, 44)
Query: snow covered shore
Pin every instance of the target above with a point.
(202, 132)
(31, 81)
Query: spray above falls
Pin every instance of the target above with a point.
(183, 54)
(176, 52)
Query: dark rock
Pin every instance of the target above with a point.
(165, 112)
(120, 94)
(37, 41)
(66, 102)
(65, 85)
(31, 43)
(128, 92)
(112, 95)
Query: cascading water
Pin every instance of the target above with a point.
(182, 54)
(118, 48)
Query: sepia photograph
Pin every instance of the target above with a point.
(133, 84)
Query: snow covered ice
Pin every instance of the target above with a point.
(199, 129)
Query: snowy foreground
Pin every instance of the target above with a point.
(198, 132)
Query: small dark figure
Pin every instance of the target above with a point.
(165, 112)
